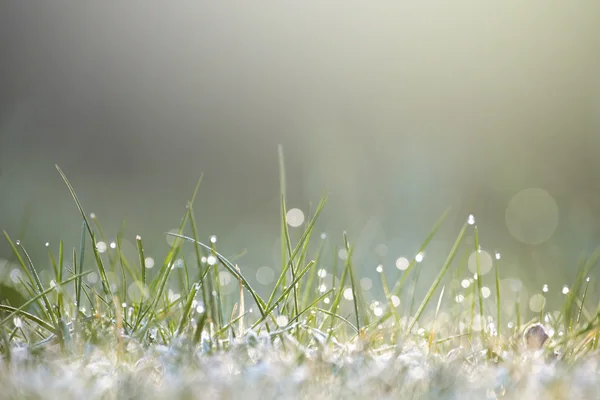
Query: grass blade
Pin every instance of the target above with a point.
(439, 277)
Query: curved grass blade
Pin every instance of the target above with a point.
(37, 297)
(428, 239)
(439, 277)
(231, 268)
(101, 269)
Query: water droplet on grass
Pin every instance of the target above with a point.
(101, 247)
(321, 273)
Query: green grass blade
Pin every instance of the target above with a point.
(439, 277)
(101, 269)
(428, 239)
(479, 281)
(232, 270)
(304, 238)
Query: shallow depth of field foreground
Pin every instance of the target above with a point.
(172, 331)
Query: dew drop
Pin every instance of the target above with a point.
(419, 257)
(471, 219)
(101, 247)
(379, 268)
(565, 289)
(485, 292)
(213, 239)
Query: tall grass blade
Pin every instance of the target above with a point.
(439, 277)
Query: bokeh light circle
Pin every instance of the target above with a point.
(532, 216)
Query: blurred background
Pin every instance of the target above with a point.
(396, 111)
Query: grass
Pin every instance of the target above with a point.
(129, 336)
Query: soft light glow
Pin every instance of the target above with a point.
(265, 275)
(149, 262)
(402, 263)
(282, 321)
(294, 217)
(348, 295)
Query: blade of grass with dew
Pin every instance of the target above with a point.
(305, 237)
(585, 290)
(388, 297)
(33, 277)
(282, 193)
(338, 297)
(439, 277)
(311, 305)
(335, 315)
(355, 294)
(158, 283)
(311, 277)
(232, 270)
(285, 293)
(36, 298)
(81, 259)
(186, 310)
(422, 248)
(570, 295)
(34, 318)
(100, 265)
(479, 282)
(287, 249)
(498, 298)
(437, 310)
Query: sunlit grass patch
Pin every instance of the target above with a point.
(193, 325)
